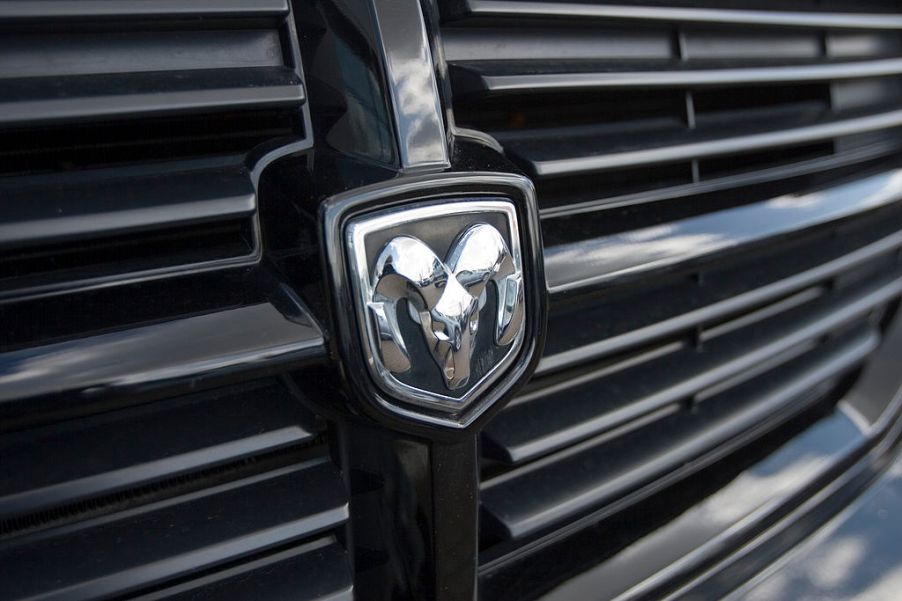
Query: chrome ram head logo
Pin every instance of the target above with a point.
(439, 296)
(445, 298)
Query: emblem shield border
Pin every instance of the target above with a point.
(362, 287)
(354, 351)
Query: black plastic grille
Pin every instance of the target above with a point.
(696, 305)
(150, 444)
(652, 107)
(172, 490)
(128, 124)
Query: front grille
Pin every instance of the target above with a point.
(654, 109)
(721, 223)
(720, 191)
(150, 444)
(162, 499)
(130, 132)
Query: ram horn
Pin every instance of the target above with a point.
(481, 256)
(405, 267)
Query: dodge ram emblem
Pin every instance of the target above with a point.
(445, 300)
(439, 300)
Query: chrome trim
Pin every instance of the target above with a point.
(410, 73)
(445, 299)
(338, 211)
(386, 353)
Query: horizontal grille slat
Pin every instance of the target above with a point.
(152, 359)
(251, 516)
(44, 210)
(524, 503)
(39, 101)
(135, 135)
(313, 572)
(567, 414)
(141, 9)
(544, 162)
(102, 456)
(641, 251)
(603, 11)
(506, 79)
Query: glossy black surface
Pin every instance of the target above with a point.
(181, 427)
(132, 448)
(411, 84)
(272, 332)
(751, 499)
(261, 512)
(856, 556)
(413, 532)
(593, 262)
(346, 83)
(530, 8)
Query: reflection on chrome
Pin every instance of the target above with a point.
(445, 299)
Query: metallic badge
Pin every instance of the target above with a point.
(441, 299)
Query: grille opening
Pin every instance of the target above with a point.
(610, 113)
(794, 105)
(156, 491)
(618, 528)
(81, 146)
(745, 163)
(127, 253)
(565, 190)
